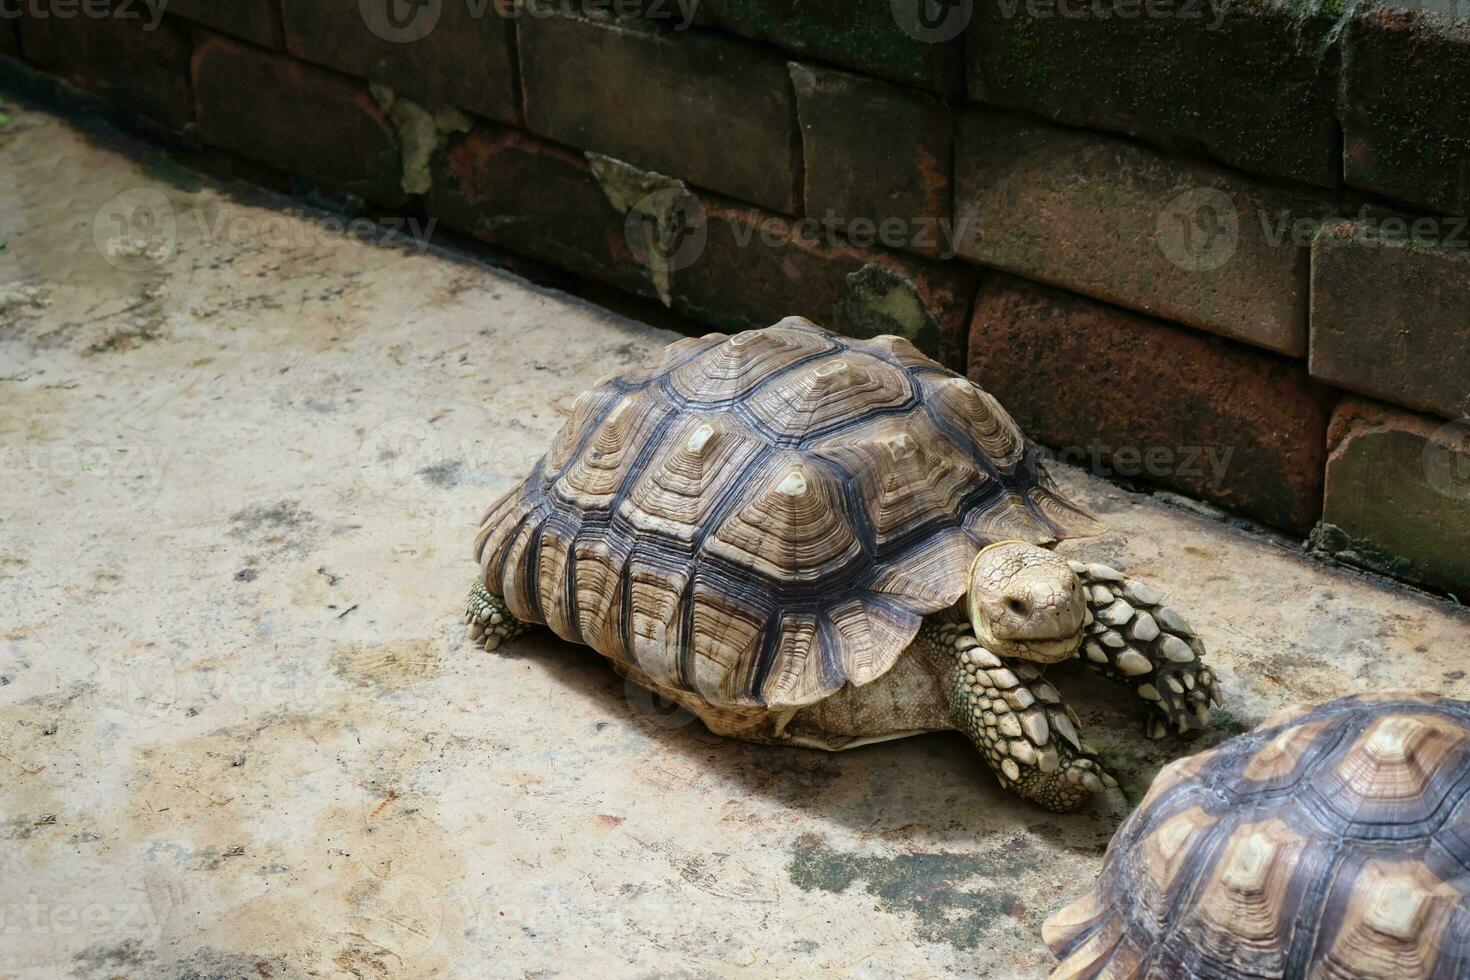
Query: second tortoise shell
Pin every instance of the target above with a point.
(762, 518)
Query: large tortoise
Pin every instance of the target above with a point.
(1330, 842)
(774, 529)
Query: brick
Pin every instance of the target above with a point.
(1118, 221)
(1391, 315)
(746, 268)
(258, 21)
(711, 110)
(1398, 494)
(133, 59)
(455, 52)
(1406, 96)
(866, 36)
(1139, 398)
(297, 118)
(875, 151)
(518, 192)
(757, 267)
(1251, 83)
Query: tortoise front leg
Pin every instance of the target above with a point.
(1016, 719)
(488, 618)
(1145, 646)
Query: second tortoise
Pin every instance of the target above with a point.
(811, 540)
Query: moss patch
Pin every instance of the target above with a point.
(955, 897)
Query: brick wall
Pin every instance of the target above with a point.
(1216, 247)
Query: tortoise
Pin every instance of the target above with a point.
(1332, 841)
(812, 540)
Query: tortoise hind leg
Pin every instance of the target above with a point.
(489, 619)
(1132, 638)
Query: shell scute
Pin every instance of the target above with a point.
(611, 450)
(656, 616)
(729, 635)
(599, 561)
(904, 478)
(828, 392)
(742, 363)
(975, 412)
(688, 477)
(790, 525)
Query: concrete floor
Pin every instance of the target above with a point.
(242, 733)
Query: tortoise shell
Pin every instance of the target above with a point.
(1330, 842)
(762, 518)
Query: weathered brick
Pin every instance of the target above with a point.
(1251, 83)
(134, 59)
(1140, 398)
(876, 152)
(709, 109)
(295, 117)
(757, 267)
(745, 267)
(253, 20)
(1405, 102)
(1104, 216)
(516, 191)
(454, 52)
(867, 35)
(1398, 494)
(1391, 315)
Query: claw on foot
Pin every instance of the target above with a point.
(1134, 638)
(489, 621)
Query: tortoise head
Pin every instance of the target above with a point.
(1026, 603)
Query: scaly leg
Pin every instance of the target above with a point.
(488, 618)
(1016, 719)
(1133, 639)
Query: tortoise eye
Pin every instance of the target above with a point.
(1018, 606)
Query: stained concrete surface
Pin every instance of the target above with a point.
(242, 733)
